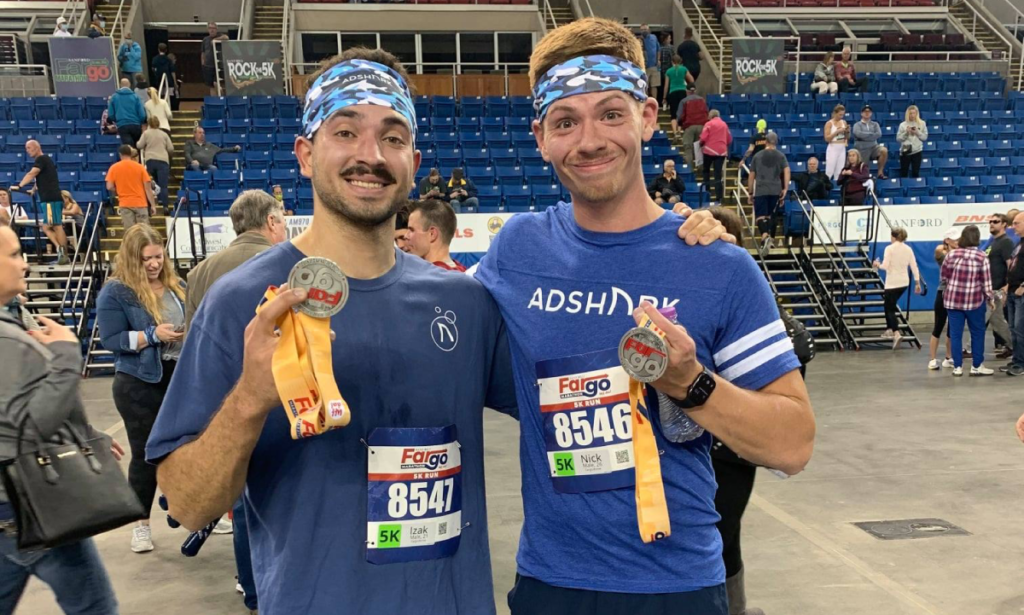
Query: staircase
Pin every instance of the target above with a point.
(989, 40)
(859, 305)
(560, 10)
(267, 22)
(109, 11)
(702, 17)
(796, 293)
(182, 129)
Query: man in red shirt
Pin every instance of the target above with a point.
(431, 229)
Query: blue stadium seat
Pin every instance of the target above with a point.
(238, 107)
(215, 108)
(993, 183)
(72, 107)
(239, 126)
(262, 107)
(941, 186)
(71, 161)
(446, 139)
(289, 125)
(497, 106)
(47, 108)
(517, 198)
(537, 175)
(471, 106)
(914, 187)
(497, 139)
(522, 106)
(509, 176)
(286, 178)
(906, 200)
(992, 197)
(471, 124)
(489, 197)
(999, 165)
(68, 179)
(94, 107)
(284, 142)
(287, 106)
(934, 200)
(228, 140)
(545, 196)
(87, 126)
(224, 180)
(504, 157)
(264, 125)
(93, 181)
(84, 198)
(220, 200)
(212, 127)
(196, 180)
(522, 123)
(471, 140)
(481, 175)
(257, 159)
(256, 179)
(530, 155)
(78, 143)
(100, 161)
(888, 187)
(305, 196)
(260, 141)
(60, 127)
(964, 185)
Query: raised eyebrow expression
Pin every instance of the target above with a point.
(388, 123)
(567, 111)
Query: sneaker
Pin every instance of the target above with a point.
(947, 363)
(958, 371)
(896, 338)
(887, 335)
(1006, 368)
(224, 526)
(933, 364)
(1005, 353)
(1016, 370)
(981, 371)
(62, 259)
(768, 244)
(142, 539)
(238, 588)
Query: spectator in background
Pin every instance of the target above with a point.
(767, 184)
(968, 280)
(62, 28)
(667, 187)
(209, 61)
(44, 173)
(837, 135)
(866, 134)
(95, 29)
(142, 88)
(853, 179)
(897, 258)
(846, 75)
(689, 51)
(1015, 296)
(158, 108)
(692, 114)
(129, 56)
(825, 76)
(651, 48)
(677, 80)
(1011, 232)
(715, 140)
(157, 149)
(200, 154)
(665, 54)
(12, 210)
(126, 109)
(141, 317)
(107, 125)
(432, 224)
(164, 68)
(402, 229)
(758, 140)
(460, 191)
(814, 181)
(1000, 251)
(912, 134)
(74, 211)
(130, 181)
(939, 329)
(432, 186)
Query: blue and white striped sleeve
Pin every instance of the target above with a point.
(753, 349)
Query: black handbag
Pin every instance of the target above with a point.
(65, 492)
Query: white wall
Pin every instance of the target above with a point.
(638, 11)
(183, 10)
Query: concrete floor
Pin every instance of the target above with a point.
(894, 442)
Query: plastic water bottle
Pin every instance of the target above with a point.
(675, 424)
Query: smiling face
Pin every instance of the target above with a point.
(362, 163)
(594, 142)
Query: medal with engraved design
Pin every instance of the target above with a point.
(643, 352)
(326, 286)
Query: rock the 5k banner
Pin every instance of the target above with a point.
(82, 66)
(757, 66)
(252, 68)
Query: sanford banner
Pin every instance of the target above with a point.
(252, 68)
(757, 66)
(82, 66)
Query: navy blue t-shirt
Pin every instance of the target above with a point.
(419, 352)
(567, 296)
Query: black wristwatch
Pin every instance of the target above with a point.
(699, 391)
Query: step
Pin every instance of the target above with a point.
(884, 340)
(862, 304)
(902, 326)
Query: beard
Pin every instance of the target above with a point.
(364, 213)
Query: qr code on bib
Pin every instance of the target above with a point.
(442, 529)
(622, 456)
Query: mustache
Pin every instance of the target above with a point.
(380, 172)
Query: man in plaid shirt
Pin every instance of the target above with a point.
(968, 280)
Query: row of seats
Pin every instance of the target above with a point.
(982, 81)
(424, 1)
(894, 102)
(51, 144)
(52, 108)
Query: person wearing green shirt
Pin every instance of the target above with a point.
(675, 89)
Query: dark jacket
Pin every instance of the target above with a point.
(162, 65)
(40, 383)
(693, 111)
(854, 183)
(816, 185)
(120, 316)
(200, 279)
(662, 184)
(203, 153)
(126, 109)
(468, 186)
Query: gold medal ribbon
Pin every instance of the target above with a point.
(304, 374)
(651, 506)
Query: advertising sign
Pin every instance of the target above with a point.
(758, 66)
(82, 66)
(252, 68)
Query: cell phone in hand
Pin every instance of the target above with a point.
(179, 329)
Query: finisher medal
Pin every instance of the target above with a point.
(326, 285)
(643, 352)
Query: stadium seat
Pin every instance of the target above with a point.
(256, 179)
(509, 176)
(220, 200)
(215, 108)
(223, 180)
(517, 198)
(287, 106)
(72, 107)
(489, 197)
(286, 178)
(545, 196)
(78, 144)
(196, 180)
(262, 107)
(70, 161)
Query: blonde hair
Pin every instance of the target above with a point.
(153, 121)
(128, 269)
(589, 36)
(855, 152)
(66, 196)
(906, 115)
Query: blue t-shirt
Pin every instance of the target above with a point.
(419, 348)
(567, 296)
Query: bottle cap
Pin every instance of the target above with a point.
(668, 312)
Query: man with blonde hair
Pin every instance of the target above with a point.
(598, 487)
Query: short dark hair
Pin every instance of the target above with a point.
(162, 47)
(688, 32)
(1005, 219)
(730, 220)
(125, 150)
(899, 233)
(970, 237)
(437, 213)
(362, 53)
(402, 217)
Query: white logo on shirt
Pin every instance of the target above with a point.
(443, 331)
(600, 303)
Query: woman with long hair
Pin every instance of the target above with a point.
(852, 179)
(949, 243)
(912, 134)
(897, 258)
(157, 148)
(158, 108)
(837, 135)
(968, 280)
(141, 317)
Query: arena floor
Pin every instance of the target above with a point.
(894, 442)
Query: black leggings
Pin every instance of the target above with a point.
(714, 163)
(910, 164)
(892, 299)
(138, 403)
(940, 316)
(735, 484)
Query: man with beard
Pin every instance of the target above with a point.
(385, 515)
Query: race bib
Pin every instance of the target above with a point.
(588, 433)
(414, 494)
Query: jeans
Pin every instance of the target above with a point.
(1000, 327)
(470, 201)
(892, 299)
(243, 556)
(976, 322)
(1017, 324)
(130, 135)
(161, 172)
(74, 572)
(714, 163)
(530, 596)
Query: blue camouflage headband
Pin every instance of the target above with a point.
(587, 74)
(356, 82)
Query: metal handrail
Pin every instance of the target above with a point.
(1017, 19)
(300, 69)
(996, 29)
(551, 14)
(172, 227)
(742, 196)
(118, 21)
(241, 20)
(74, 262)
(287, 34)
(815, 221)
(838, 4)
(747, 19)
(704, 26)
(163, 91)
(590, 9)
(88, 262)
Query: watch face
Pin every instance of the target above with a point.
(701, 389)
